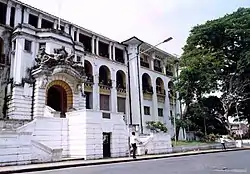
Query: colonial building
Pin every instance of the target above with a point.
(55, 71)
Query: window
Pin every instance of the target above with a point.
(160, 112)
(88, 100)
(146, 110)
(33, 20)
(27, 45)
(121, 104)
(104, 102)
(42, 45)
(78, 58)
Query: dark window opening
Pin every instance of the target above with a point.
(121, 104)
(33, 20)
(86, 41)
(119, 56)
(75, 33)
(12, 16)
(78, 58)
(42, 45)
(144, 60)
(103, 49)
(157, 65)
(88, 100)
(3, 10)
(146, 110)
(62, 28)
(47, 24)
(27, 45)
(146, 84)
(160, 112)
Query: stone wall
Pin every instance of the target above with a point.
(15, 148)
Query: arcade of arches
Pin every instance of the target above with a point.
(59, 96)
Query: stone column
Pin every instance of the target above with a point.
(26, 16)
(18, 62)
(55, 25)
(110, 50)
(66, 28)
(125, 57)
(8, 12)
(93, 44)
(73, 33)
(39, 24)
(96, 89)
(113, 92)
(114, 51)
(18, 15)
(155, 103)
(166, 113)
(39, 97)
(97, 46)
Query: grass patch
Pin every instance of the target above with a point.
(188, 143)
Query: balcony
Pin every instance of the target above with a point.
(4, 60)
(161, 92)
(121, 88)
(158, 69)
(120, 59)
(144, 64)
(169, 73)
(105, 84)
(147, 90)
(90, 78)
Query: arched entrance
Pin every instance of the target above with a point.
(59, 96)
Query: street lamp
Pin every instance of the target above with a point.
(164, 41)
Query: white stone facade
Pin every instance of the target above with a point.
(122, 87)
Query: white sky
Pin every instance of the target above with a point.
(150, 20)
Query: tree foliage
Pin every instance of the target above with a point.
(216, 58)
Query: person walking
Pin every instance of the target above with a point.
(222, 141)
(133, 141)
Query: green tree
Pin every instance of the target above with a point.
(216, 58)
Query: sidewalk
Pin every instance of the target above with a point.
(76, 163)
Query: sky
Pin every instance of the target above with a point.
(150, 20)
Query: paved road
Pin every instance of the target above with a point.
(231, 162)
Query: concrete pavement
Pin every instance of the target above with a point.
(210, 163)
(68, 164)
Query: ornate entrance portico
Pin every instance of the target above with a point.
(59, 96)
(59, 81)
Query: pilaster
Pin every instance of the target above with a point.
(66, 28)
(18, 15)
(55, 24)
(39, 24)
(155, 104)
(113, 51)
(93, 44)
(26, 16)
(9, 5)
(96, 89)
(39, 99)
(77, 35)
(110, 50)
(73, 33)
(97, 46)
(113, 92)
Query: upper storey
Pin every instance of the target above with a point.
(14, 13)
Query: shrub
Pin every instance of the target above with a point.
(156, 127)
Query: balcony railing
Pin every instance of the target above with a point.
(4, 60)
(145, 64)
(148, 89)
(169, 73)
(107, 83)
(90, 78)
(157, 69)
(120, 59)
(161, 92)
(121, 88)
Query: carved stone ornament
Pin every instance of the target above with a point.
(59, 61)
(43, 82)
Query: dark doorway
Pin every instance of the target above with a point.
(57, 99)
(106, 144)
